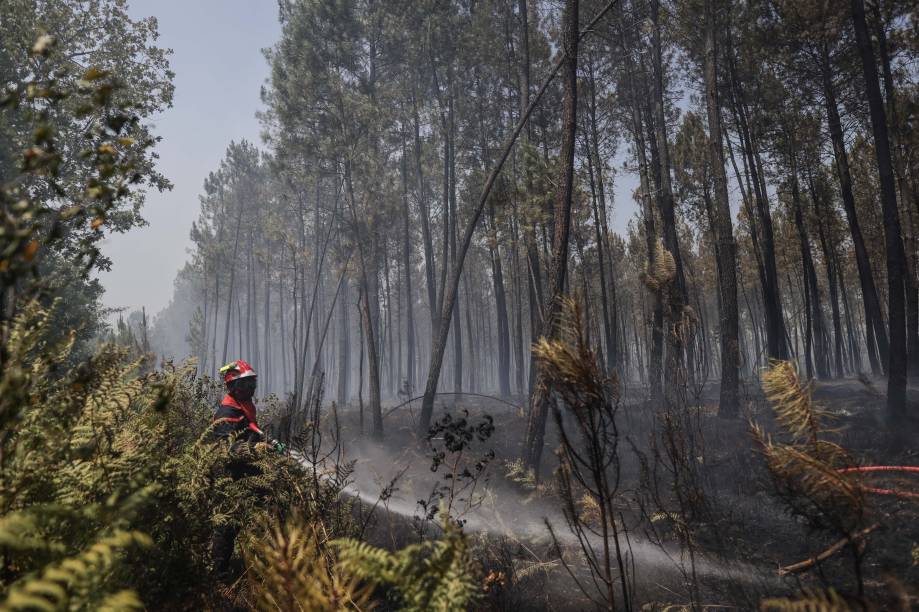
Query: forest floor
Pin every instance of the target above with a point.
(740, 533)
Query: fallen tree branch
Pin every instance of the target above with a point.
(807, 564)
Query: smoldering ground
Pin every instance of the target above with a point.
(510, 521)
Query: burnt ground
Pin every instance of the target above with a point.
(741, 533)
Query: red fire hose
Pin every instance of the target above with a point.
(884, 468)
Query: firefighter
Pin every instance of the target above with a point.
(235, 421)
(236, 413)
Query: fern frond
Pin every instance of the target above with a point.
(791, 400)
(122, 601)
(812, 477)
(54, 588)
(807, 466)
(292, 572)
(435, 575)
(808, 601)
(660, 270)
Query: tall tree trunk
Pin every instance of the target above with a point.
(675, 373)
(344, 346)
(870, 299)
(539, 406)
(831, 283)
(407, 265)
(430, 267)
(900, 153)
(896, 357)
(775, 322)
(267, 364)
(534, 269)
(369, 292)
(504, 346)
(226, 329)
(518, 307)
(598, 186)
(727, 264)
(439, 342)
(817, 325)
(655, 360)
(457, 327)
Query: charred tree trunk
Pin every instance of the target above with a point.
(598, 187)
(896, 356)
(817, 325)
(727, 265)
(536, 425)
(677, 332)
(872, 304)
(407, 266)
(449, 297)
(838, 348)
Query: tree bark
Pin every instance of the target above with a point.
(539, 405)
(896, 356)
(439, 341)
(727, 264)
(831, 283)
(870, 299)
(677, 332)
(817, 325)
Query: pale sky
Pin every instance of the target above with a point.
(219, 70)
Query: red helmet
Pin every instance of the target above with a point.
(236, 370)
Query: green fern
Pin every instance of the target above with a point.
(437, 575)
(291, 571)
(81, 451)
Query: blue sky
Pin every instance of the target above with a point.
(219, 70)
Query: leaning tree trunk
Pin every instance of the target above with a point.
(439, 341)
(539, 405)
(727, 264)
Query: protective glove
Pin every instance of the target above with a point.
(278, 446)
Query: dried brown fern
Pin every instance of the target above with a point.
(791, 399)
(569, 362)
(809, 475)
(660, 270)
(806, 466)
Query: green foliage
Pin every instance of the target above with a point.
(809, 601)
(292, 570)
(75, 475)
(99, 460)
(433, 575)
(67, 186)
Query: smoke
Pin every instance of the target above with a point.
(501, 511)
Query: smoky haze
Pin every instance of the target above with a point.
(219, 69)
